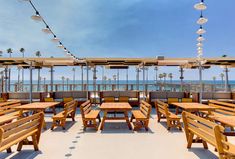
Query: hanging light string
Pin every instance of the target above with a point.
(48, 30)
(201, 21)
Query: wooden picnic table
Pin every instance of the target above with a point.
(192, 107)
(115, 107)
(2, 104)
(38, 107)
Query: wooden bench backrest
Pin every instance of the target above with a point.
(14, 132)
(145, 108)
(199, 126)
(222, 142)
(85, 108)
(223, 107)
(109, 99)
(70, 107)
(8, 108)
(162, 108)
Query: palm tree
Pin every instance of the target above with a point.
(1, 52)
(164, 76)
(22, 50)
(38, 54)
(170, 75)
(63, 78)
(222, 77)
(9, 51)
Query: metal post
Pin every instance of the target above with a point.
(200, 81)
(52, 71)
(156, 75)
(82, 82)
(9, 79)
(127, 79)
(147, 77)
(38, 85)
(226, 79)
(18, 81)
(181, 78)
(30, 83)
(74, 71)
(137, 78)
(6, 79)
(143, 81)
(87, 77)
(118, 79)
(94, 83)
(102, 80)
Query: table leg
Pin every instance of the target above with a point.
(103, 120)
(54, 111)
(127, 120)
(177, 111)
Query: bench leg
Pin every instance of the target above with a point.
(146, 125)
(20, 146)
(99, 117)
(9, 150)
(190, 140)
(95, 124)
(204, 144)
(132, 117)
(53, 124)
(63, 123)
(35, 142)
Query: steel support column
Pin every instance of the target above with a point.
(30, 83)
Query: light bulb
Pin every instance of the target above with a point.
(200, 6)
(202, 20)
(36, 17)
(55, 39)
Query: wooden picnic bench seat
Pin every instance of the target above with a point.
(205, 132)
(163, 113)
(141, 116)
(6, 109)
(68, 112)
(222, 108)
(18, 132)
(89, 116)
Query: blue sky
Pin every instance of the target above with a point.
(119, 28)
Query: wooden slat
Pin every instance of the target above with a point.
(21, 127)
(20, 121)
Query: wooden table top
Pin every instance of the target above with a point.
(37, 105)
(115, 106)
(193, 106)
(2, 104)
(227, 120)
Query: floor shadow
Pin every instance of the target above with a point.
(68, 125)
(116, 128)
(172, 130)
(24, 154)
(201, 153)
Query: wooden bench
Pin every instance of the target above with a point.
(89, 116)
(141, 116)
(163, 112)
(9, 109)
(223, 108)
(205, 132)
(68, 112)
(18, 132)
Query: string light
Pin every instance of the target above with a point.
(202, 20)
(37, 17)
(201, 31)
(200, 6)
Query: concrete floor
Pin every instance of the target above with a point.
(116, 141)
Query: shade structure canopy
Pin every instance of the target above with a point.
(189, 63)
